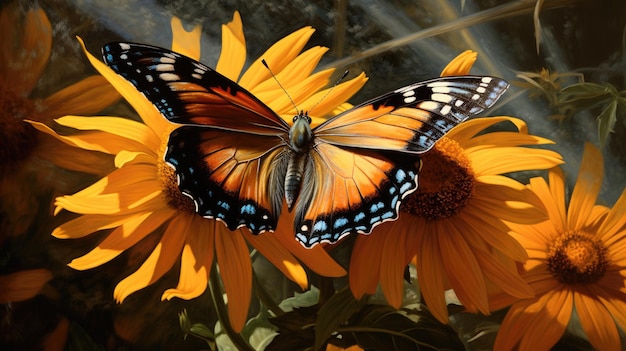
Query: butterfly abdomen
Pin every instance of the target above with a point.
(300, 138)
(293, 177)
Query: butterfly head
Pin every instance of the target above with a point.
(300, 134)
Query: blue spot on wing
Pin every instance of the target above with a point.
(383, 206)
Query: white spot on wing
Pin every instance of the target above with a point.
(439, 89)
(166, 59)
(124, 46)
(165, 67)
(409, 99)
(169, 77)
(486, 80)
(446, 109)
(428, 105)
(442, 97)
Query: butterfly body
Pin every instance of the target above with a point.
(239, 161)
(300, 137)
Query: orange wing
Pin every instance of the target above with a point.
(350, 191)
(228, 175)
(413, 118)
(223, 154)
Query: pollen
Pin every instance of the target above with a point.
(17, 138)
(577, 257)
(446, 183)
(174, 197)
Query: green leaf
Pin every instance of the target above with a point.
(606, 121)
(201, 330)
(333, 313)
(585, 95)
(379, 327)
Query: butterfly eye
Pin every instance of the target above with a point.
(295, 118)
(308, 119)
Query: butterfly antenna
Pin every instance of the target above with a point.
(329, 90)
(280, 85)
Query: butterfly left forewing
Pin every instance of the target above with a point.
(188, 92)
(351, 191)
(413, 118)
(230, 145)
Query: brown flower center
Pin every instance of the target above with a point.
(446, 182)
(577, 257)
(169, 182)
(17, 138)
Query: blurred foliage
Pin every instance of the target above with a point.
(602, 100)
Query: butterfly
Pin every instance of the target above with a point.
(240, 162)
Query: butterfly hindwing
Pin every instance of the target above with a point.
(186, 91)
(353, 191)
(413, 118)
(222, 177)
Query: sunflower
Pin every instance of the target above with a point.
(25, 46)
(141, 195)
(452, 227)
(576, 261)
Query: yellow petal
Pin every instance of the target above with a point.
(186, 42)
(87, 97)
(597, 323)
(460, 65)
(270, 246)
(162, 258)
(148, 113)
(431, 275)
(556, 207)
(22, 285)
(463, 269)
(614, 226)
(196, 261)
(96, 141)
(507, 199)
(87, 224)
(72, 158)
(506, 279)
(587, 187)
(125, 128)
(500, 139)
(365, 263)
(501, 160)
(277, 56)
(615, 303)
(549, 321)
(233, 54)
(492, 231)
(392, 265)
(140, 177)
(338, 95)
(129, 233)
(235, 267)
(468, 129)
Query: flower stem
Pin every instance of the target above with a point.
(222, 313)
(265, 298)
